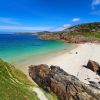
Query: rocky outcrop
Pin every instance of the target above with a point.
(94, 66)
(49, 37)
(82, 33)
(65, 86)
(95, 85)
(69, 38)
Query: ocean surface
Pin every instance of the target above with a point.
(16, 47)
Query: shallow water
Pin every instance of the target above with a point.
(16, 48)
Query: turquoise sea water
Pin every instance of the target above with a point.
(14, 47)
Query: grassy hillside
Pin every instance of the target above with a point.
(14, 85)
(89, 32)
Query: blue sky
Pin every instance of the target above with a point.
(49, 15)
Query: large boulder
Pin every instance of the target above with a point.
(94, 66)
(65, 86)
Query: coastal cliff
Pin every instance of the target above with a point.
(82, 33)
(64, 85)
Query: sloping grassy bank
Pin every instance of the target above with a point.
(14, 85)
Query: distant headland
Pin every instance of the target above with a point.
(82, 33)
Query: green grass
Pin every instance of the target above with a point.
(14, 85)
(95, 35)
(86, 34)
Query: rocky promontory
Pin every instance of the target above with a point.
(89, 32)
(64, 85)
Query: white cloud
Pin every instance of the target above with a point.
(9, 21)
(60, 28)
(75, 19)
(25, 28)
(66, 25)
(95, 3)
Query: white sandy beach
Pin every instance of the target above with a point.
(73, 63)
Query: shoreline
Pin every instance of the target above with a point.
(39, 59)
(71, 62)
